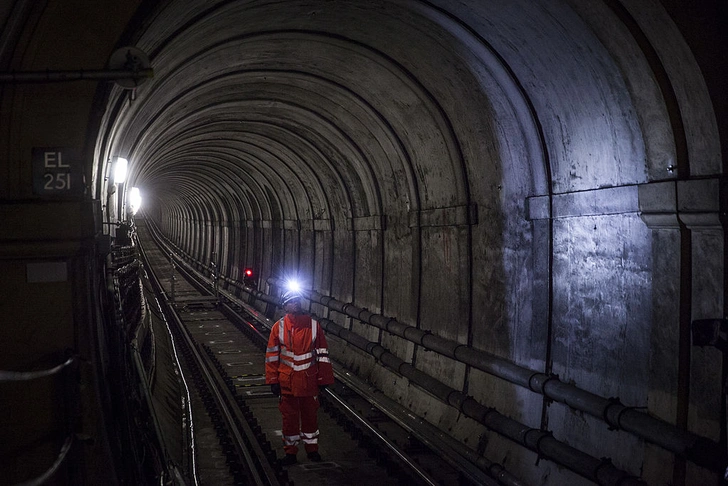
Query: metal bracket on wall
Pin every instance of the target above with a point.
(129, 67)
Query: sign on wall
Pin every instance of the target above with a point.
(57, 171)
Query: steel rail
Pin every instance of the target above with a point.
(388, 443)
(453, 451)
(8, 376)
(215, 386)
(189, 437)
(600, 471)
(700, 450)
(496, 470)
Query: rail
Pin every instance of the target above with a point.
(123, 278)
(700, 450)
(8, 376)
(260, 472)
(602, 471)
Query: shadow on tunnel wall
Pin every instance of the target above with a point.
(441, 163)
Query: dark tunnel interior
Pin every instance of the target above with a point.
(539, 183)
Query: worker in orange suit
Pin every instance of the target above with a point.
(297, 367)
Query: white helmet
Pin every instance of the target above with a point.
(290, 295)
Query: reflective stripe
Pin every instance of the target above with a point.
(291, 439)
(270, 359)
(296, 367)
(282, 336)
(289, 358)
(310, 438)
(274, 349)
(295, 357)
(322, 355)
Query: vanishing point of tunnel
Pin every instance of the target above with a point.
(525, 188)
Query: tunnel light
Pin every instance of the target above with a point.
(120, 170)
(135, 200)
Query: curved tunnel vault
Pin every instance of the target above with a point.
(493, 172)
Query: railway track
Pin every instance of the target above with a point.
(234, 424)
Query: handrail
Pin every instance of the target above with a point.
(8, 376)
(25, 376)
(54, 467)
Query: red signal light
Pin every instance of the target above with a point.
(249, 278)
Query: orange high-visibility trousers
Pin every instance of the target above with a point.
(300, 422)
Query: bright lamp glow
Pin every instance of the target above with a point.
(120, 170)
(135, 200)
(293, 285)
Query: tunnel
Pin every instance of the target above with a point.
(536, 182)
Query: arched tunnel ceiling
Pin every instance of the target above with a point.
(278, 98)
(335, 113)
(338, 110)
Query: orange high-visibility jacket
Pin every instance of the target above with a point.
(297, 356)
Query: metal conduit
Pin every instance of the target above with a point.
(7, 376)
(53, 469)
(700, 450)
(497, 471)
(600, 471)
(17, 376)
(158, 429)
(62, 76)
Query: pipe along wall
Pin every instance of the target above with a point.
(600, 471)
(703, 452)
(698, 449)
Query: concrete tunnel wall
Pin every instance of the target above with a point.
(500, 173)
(405, 157)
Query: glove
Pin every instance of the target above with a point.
(275, 389)
(323, 387)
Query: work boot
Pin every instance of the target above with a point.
(288, 460)
(314, 456)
